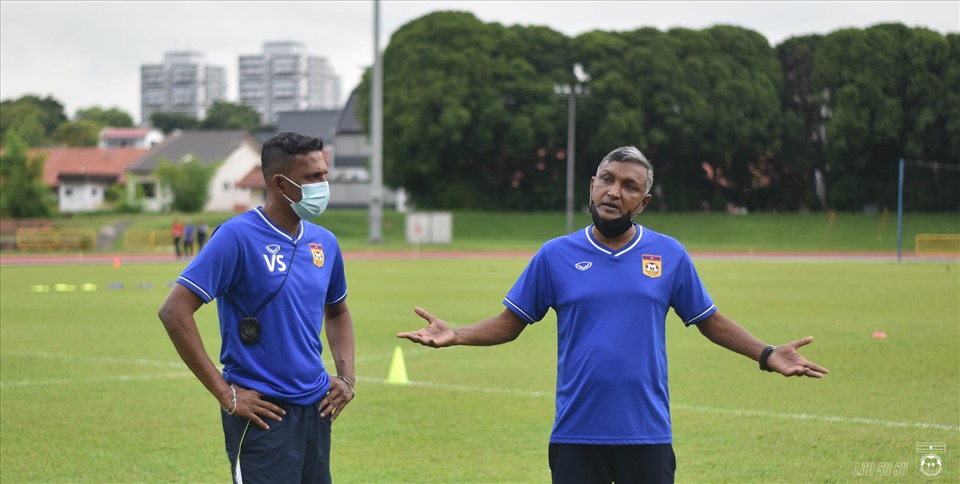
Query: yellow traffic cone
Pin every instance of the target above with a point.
(398, 370)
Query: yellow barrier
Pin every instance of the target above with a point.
(933, 245)
(147, 239)
(49, 239)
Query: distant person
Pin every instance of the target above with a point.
(273, 300)
(176, 231)
(202, 230)
(611, 285)
(188, 232)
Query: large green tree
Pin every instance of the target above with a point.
(35, 119)
(470, 113)
(112, 117)
(890, 94)
(226, 115)
(470, 119)
(22, 192)
(170, 122)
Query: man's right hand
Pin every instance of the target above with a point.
(437, 334)
(252, 407)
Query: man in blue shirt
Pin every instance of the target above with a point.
(611, 286)
(278, 280)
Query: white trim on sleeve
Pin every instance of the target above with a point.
(521, 311)
(205, 294)
(705, 311)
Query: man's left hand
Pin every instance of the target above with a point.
(788, 362)
(339, 396)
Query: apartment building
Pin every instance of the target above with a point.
(285, 78)
(184, 83)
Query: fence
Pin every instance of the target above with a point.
(146, 239)
(29, 238)
(933, 245)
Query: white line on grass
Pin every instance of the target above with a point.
(99, 359)
(466, 388)
(703, 409)
(107, 379)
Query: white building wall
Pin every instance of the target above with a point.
(80, 196)
(225, 195)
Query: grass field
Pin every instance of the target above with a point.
(93, 391)
(526, 231)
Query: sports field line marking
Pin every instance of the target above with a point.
(700, 408)
(509, 391)
(107, 379)
(100, 359)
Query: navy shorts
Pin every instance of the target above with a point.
(596, 464)
(295, 450)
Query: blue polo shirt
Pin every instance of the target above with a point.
(611, 311)
(242, 266)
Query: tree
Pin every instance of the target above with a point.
(35, 118)
(170, 122)
(189, 182)
(25, 120)
(112, 117)
(226, 115)
(83, 132)
(22, 192)
(890, 98)
(468, 112)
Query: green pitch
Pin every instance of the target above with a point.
(93, 391)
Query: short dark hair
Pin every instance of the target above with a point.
(280, 149)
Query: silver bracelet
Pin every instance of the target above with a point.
(233, 402)
(348, 383)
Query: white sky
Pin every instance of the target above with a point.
(89, 53)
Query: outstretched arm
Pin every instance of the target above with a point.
(501, 328)
(784, 360)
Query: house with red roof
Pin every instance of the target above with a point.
(80, 177)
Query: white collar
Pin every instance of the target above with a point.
(589, 234)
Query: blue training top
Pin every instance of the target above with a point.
(242, 266)
(611, 319)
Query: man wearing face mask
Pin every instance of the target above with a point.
(278, 280)
(611, 285)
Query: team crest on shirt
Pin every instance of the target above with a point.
(317, 251)
(652, 266)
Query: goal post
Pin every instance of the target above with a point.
(933, 244)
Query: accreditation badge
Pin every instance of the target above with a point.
(651, 265)
(317, 251)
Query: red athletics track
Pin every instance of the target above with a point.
(15, 259)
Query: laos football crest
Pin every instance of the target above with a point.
(931, 455)
(317, 251)
(651, 265)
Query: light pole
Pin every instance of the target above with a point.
(376, 134)
(577, 89)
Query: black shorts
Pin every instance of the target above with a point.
(295, 450)
(596, 464)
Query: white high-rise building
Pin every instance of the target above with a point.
(285, 78)
(184, 83)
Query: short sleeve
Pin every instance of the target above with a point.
(533, 293)
(337, 289)
(216, 267)
(689, 298)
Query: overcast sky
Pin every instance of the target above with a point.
(89, 53)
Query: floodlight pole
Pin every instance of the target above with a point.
(376, 135)
(900, 211)
(572, 93)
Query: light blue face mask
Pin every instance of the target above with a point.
(314, 201)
